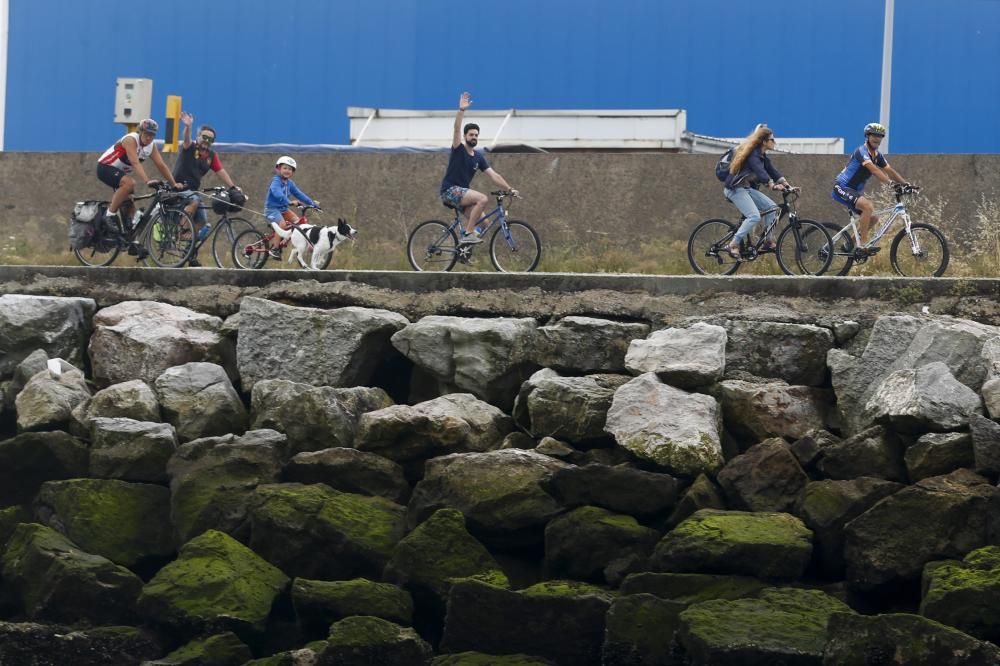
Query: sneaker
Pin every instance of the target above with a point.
(470, 239)
(137, 251)
(275, 253)
(194, 263)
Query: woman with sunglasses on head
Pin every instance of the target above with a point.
(194, 160)
(751, 167)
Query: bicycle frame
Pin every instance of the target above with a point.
(785, 209)
(889, 215)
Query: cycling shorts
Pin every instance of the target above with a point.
(846, 196)
(109, 175)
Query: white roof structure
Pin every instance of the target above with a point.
(568, 129)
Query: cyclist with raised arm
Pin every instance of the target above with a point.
(750, 168)
(194, 160)
(866, 161)
(462, 166)
(116, 164)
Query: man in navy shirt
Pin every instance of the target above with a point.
(462, 166)
(865, 162)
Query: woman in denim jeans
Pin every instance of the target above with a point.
(749, 168)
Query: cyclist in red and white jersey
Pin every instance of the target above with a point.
(127, 155)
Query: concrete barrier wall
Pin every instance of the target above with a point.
(574, 200)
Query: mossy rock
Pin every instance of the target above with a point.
(900, 638)
(364, 640)
(224, 649)
(215, 584)
(691, 588)
(781, 626)
(30, 644)
(966, 594)
(290, 523)
(566, 588)
(642, 629)
(301, 657)
(762, 544)
(124, 522)
(320, 602)
(11, 517)
(53, 579)
(482, 659)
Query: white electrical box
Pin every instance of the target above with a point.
(133, 99)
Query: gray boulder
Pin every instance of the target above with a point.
(47, 402)
(453, 423)
(32, 364)
(620, 488)
(32, 458)
(906, 639)
(991, 397)
(586, 344)
(765, 478)
(827, 506)
(313, 417)
(211, 480)
(339, 347)
(682, 357)
(594, 544)
(560, 621)
(58, 326)
(199, 401)
(938, 453)
(701, 494)
(985, 444)
(573, 409)
(141, 339)
(775, 409)
(499, 492)
(939, 517)
(133, 400)
(764, 545)
(874, 452)
(350, 471)
(489, 358)
(129, 450)
(795, 353)
(673, 429)
(52, 579)
(316, 532)
(922, 399)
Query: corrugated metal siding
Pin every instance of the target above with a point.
(265, 72)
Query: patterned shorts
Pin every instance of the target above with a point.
(453, 195)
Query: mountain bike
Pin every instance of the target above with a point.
(252, 249)
(924, 254)
(224, 231)
(514, 247)
(802, 247)
(163, 229)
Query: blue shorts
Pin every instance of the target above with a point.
(201, 214)
(846, 196)
(453, 195)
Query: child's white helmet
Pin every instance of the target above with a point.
(285, 159)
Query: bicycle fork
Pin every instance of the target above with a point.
(910, 236)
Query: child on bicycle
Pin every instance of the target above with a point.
(279, 198)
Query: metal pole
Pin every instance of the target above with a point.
(4, 23)
(883, 111)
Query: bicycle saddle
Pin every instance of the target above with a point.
(448, 204)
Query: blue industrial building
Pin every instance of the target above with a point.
(264, 72)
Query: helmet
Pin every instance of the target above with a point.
(148, 125)
(875, 128)
(285, 159)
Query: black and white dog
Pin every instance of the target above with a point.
(322, 240)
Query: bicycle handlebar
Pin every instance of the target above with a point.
(905, 188)
(502, 194)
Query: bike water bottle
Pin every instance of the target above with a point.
(136, 218)
(479, 230)
(203, 232)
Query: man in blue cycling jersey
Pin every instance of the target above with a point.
(865, 162)
(462, 166)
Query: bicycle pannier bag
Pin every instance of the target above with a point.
(82, 224)
(722, 166)
(86, 211)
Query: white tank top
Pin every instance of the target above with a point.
(117, 157)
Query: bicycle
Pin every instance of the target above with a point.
(797, 251)
(251, 249)
(225, 230)
(163, 230)
(514, 246)
(927, 254)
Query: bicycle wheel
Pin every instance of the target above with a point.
(250, 249)
(431, 247)
(223, 238)
(804, 248)
(930, 260)
(843, 249)
(169, 237)
(706, 250)
(518, 250)
(106, 245)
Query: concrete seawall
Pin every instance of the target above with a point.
(574, 200)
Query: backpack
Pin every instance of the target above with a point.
(722, 166)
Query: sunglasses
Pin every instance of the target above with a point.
(207, 138)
